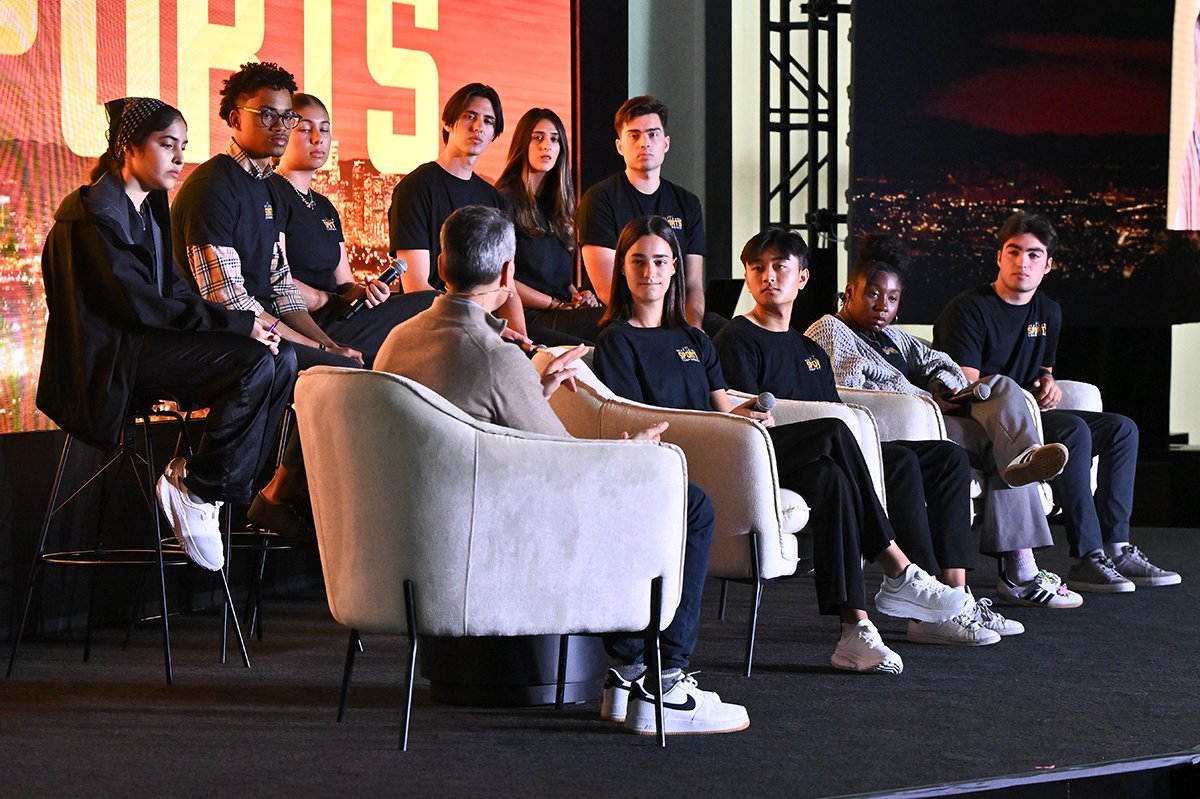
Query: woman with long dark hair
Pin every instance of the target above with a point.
(537, 186)
(125, 327)
(648, 353)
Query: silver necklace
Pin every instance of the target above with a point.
(309, 201)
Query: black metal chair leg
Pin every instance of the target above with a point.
(654, 657)
(228, 609)
(755, 601)
(237, 627)
(560, 688)
(136, 608)
(156, 514)
(347, 671)
(35, 567)
(410, 613)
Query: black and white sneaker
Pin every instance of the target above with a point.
(616, 696)
(1043, 591)
(686, 710)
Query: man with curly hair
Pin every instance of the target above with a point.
(225, 222)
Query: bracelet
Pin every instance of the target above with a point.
(555, 304)
(321, 346)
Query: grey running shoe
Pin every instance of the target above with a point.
(1096, 573)
(1133, 565)
(1036, 465)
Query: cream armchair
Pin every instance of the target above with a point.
(424, 525)
(733, 460)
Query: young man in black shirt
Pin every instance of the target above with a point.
(928, 482)
(1009, 328)
(471, 120)
(642, 140)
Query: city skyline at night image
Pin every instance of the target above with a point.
(963, 113)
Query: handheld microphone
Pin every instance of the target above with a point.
(765, 402)
(398, 267)
(972, 393)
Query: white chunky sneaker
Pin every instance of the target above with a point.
(916, 595)
(616, 696)
(1036, 465)
(861, 649)
(195, 523)
(1135, 567)
(686, 710)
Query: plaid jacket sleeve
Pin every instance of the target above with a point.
(218, 273)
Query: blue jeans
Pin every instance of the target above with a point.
(1092, 522)
(679, 639)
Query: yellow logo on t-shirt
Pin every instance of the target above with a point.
(813, 364)
(688, 355)
(330, 224)
(268, 211)
(675, 222)
(890, 351)
(1035, 329)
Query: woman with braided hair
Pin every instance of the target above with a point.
(126, 328)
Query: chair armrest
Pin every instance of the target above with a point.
(899, 417)
(1080, 396)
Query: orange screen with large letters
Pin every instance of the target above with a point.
(383, 67)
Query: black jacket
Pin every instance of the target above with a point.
(104, 292)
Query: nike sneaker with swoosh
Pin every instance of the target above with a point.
(686, 710)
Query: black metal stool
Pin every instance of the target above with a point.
(164, 553)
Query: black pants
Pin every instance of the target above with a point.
(929, 502)
(244, 387)
(556, 328)
(820, 460)
(678, 641)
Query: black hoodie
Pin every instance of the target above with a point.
(104, 291)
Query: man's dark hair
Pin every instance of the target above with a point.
(250, 77)
(458, 103)
(640, 106)
(879, 252)
(476, 243)
(1025, 222)
(783, 241)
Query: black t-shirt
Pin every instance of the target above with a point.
(788, 364)
(422, 201)
(314, 235)
(609, 205)
(542, 262)
(672, 367)
(221, 204)
(882, 343)
(980, 330)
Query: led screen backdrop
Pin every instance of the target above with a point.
(383, 67)
(964, 111)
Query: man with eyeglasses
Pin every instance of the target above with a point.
(225, 218)
(226, 226)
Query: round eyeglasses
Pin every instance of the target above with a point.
(269, 116)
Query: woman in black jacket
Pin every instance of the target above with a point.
(125, 328)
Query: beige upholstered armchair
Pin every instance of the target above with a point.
(425, 527)
(732, 459)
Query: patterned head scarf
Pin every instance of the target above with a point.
(124, 117)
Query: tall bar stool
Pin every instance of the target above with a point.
(163, 553)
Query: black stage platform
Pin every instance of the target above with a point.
(1115, 679)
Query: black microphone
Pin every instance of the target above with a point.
(765, 402)
(398, 267)
(972, 393)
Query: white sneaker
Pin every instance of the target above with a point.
(916, 595)
(861, 649)
(686, 709)
(616, 696)
(961, 630)
(995, 622)
(1036, 465)
(195, 523)
(1043, 591)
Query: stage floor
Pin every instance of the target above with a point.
(1116, 678)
